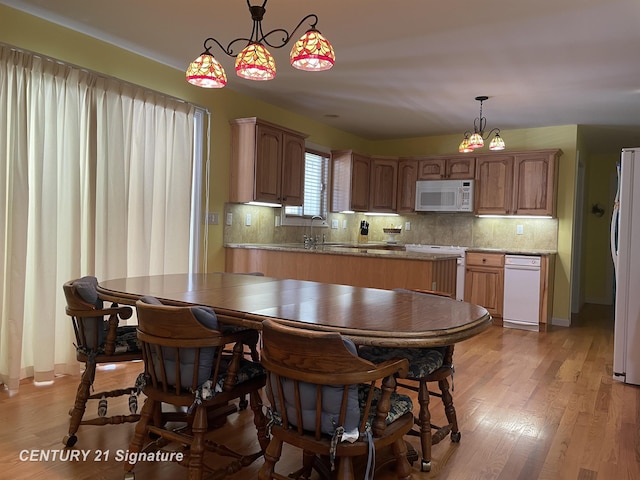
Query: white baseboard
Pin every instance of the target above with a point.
(561, 322)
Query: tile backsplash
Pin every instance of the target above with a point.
(437, 229)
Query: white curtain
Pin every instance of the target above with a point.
(95, 179)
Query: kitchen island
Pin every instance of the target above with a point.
(362, 265)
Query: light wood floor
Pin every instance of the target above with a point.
(530, 406)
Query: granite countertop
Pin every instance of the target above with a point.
(372, 249)
(513, 251)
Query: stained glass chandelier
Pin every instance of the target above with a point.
(470, 142)
(312, 53)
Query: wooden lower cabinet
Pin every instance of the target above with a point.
(484, 285)
(358, 270)
(484, 282)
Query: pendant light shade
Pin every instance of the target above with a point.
(255, 62)
(205, 71)
(464, 145)
(476, 141)
(312, 52)
(497, 143)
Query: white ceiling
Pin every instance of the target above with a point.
(408, 68)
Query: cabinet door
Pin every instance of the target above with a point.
(292, 170)
(268, 173)
(493, 185)
(431, 169)
(407, 177)
(461, 168)
(360, 168)
(534, 184)
(484, 286)
(383, 185)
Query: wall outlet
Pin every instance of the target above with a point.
(344, 224)
(229, 218)
(278, 220)
(213, 218)
(519, 229)
(334, 224)
(407, 226)
(247, 220)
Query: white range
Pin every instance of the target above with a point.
(448, 250)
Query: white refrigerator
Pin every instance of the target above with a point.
(625, 250)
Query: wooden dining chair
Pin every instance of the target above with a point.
(188, 371)
(99, 340)
(426, 365)
(331, 404)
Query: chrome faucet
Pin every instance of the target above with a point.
(311, 240)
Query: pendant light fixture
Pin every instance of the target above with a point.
(476, 140)
(312, 53)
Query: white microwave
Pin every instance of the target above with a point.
(444, 196)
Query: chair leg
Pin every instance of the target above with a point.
(196, 450)
(344, 469)
(403, 468)
(80, 405)
(424, 420)
(140, 431)
(271, 456)
(259, 420)
(449, 409)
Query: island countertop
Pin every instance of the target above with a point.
(373, 249)
(362, 265)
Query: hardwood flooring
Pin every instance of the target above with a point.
(530, 406)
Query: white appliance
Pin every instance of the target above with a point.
(444, 196)
(625, 232)
(521, 308)
(460, 270)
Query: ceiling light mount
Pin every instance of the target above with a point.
(476, 140)
(312, 52)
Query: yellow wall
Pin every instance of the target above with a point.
(597, 272)
(33, 34)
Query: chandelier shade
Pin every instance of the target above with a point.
(206, 72)
(312, 52)
(464, 145)
(470, 142)
(255, 62)
(497, 143)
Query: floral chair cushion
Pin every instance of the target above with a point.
(422, 361)
(400, 403)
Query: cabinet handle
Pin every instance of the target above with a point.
(484, 260)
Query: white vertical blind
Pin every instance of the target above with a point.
(316, 177)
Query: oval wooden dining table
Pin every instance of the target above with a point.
(368, 316)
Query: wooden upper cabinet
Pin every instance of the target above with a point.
(383, 185)
(443, 168)
(493, 182)
(350, 181)
(407, 177)
(431, 169)
(293, 169)
(519, 184)
(535, 181)
(267, 163)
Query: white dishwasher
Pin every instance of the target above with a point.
(521, 307)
